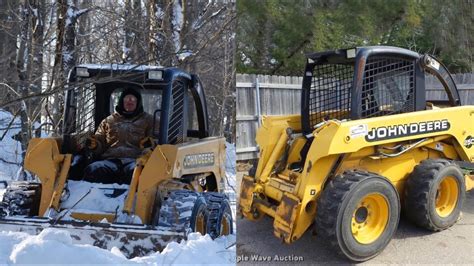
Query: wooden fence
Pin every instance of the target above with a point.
(259, 95)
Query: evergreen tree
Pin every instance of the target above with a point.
(274, 35)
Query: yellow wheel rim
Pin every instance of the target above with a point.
(370, 218)
(446, 196)
(200, 224)
(225, 226)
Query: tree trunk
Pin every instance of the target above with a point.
(22, 74)
(166, 53)
(133, 51)
(127, 53)
(84, 42)
(57, 76)
(36, 58)
(69, 49)
(9, 31)
(154, 21)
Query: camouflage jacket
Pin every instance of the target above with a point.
(119, 137)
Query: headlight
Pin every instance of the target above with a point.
(82, 72)
(155, 74)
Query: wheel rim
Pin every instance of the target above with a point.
(370, 218)
(446, 196)
(200, 224)
(225, 225)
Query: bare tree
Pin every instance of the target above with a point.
(53, 36)
(35, 65)
(8, 34)
(21, 69)
(155, 20)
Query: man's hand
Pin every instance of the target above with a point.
(147, 142)
(91, 143)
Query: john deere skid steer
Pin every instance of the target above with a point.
(366, 146)
(176, 188)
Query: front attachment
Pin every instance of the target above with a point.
(132, 240)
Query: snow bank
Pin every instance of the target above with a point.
(2, 191)
(230, 160)
(10, 155)
(54, 246)
(197, 249)
(7, 242)
(230, 171)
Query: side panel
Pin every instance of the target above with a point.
(351, 136)
(44, 159)
(173, 161)
(336, 140)
(344, 145)
(395, 169)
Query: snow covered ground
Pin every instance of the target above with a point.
(55, 246)
(10, 149)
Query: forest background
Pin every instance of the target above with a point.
(41, 40)
(274, 35)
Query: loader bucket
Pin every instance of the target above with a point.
(132, 240)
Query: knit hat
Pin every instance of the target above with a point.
(120, 108)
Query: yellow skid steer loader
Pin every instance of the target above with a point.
(177, 186)
(366, 146)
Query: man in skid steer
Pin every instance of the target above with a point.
(119, 140)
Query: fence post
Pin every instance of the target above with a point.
(257, 98)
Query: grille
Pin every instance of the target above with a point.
(330, 95)
(85, 109)
(388, 87)
(176, 125)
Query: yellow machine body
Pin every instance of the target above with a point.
(180, 171)
(166, 162)
(291, 197)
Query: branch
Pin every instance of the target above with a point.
(214, 38)
(81, 12)
(200, 24)
(23, 103)
(292, 53)
(9, 125)
(5, 161)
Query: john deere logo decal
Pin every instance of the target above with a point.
(403, 130)
(469, 142)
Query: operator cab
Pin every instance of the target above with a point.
(174, 97)
(365, 82)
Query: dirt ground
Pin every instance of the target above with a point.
(410, 245)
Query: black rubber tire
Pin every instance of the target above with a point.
(337, 205)
(3, 209)
(219, 209)
(155, 214)
(421, 191)
(22, 198)
(253, 169)
(180, 211)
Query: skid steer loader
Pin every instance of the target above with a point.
(366, 146)
(176, 188)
